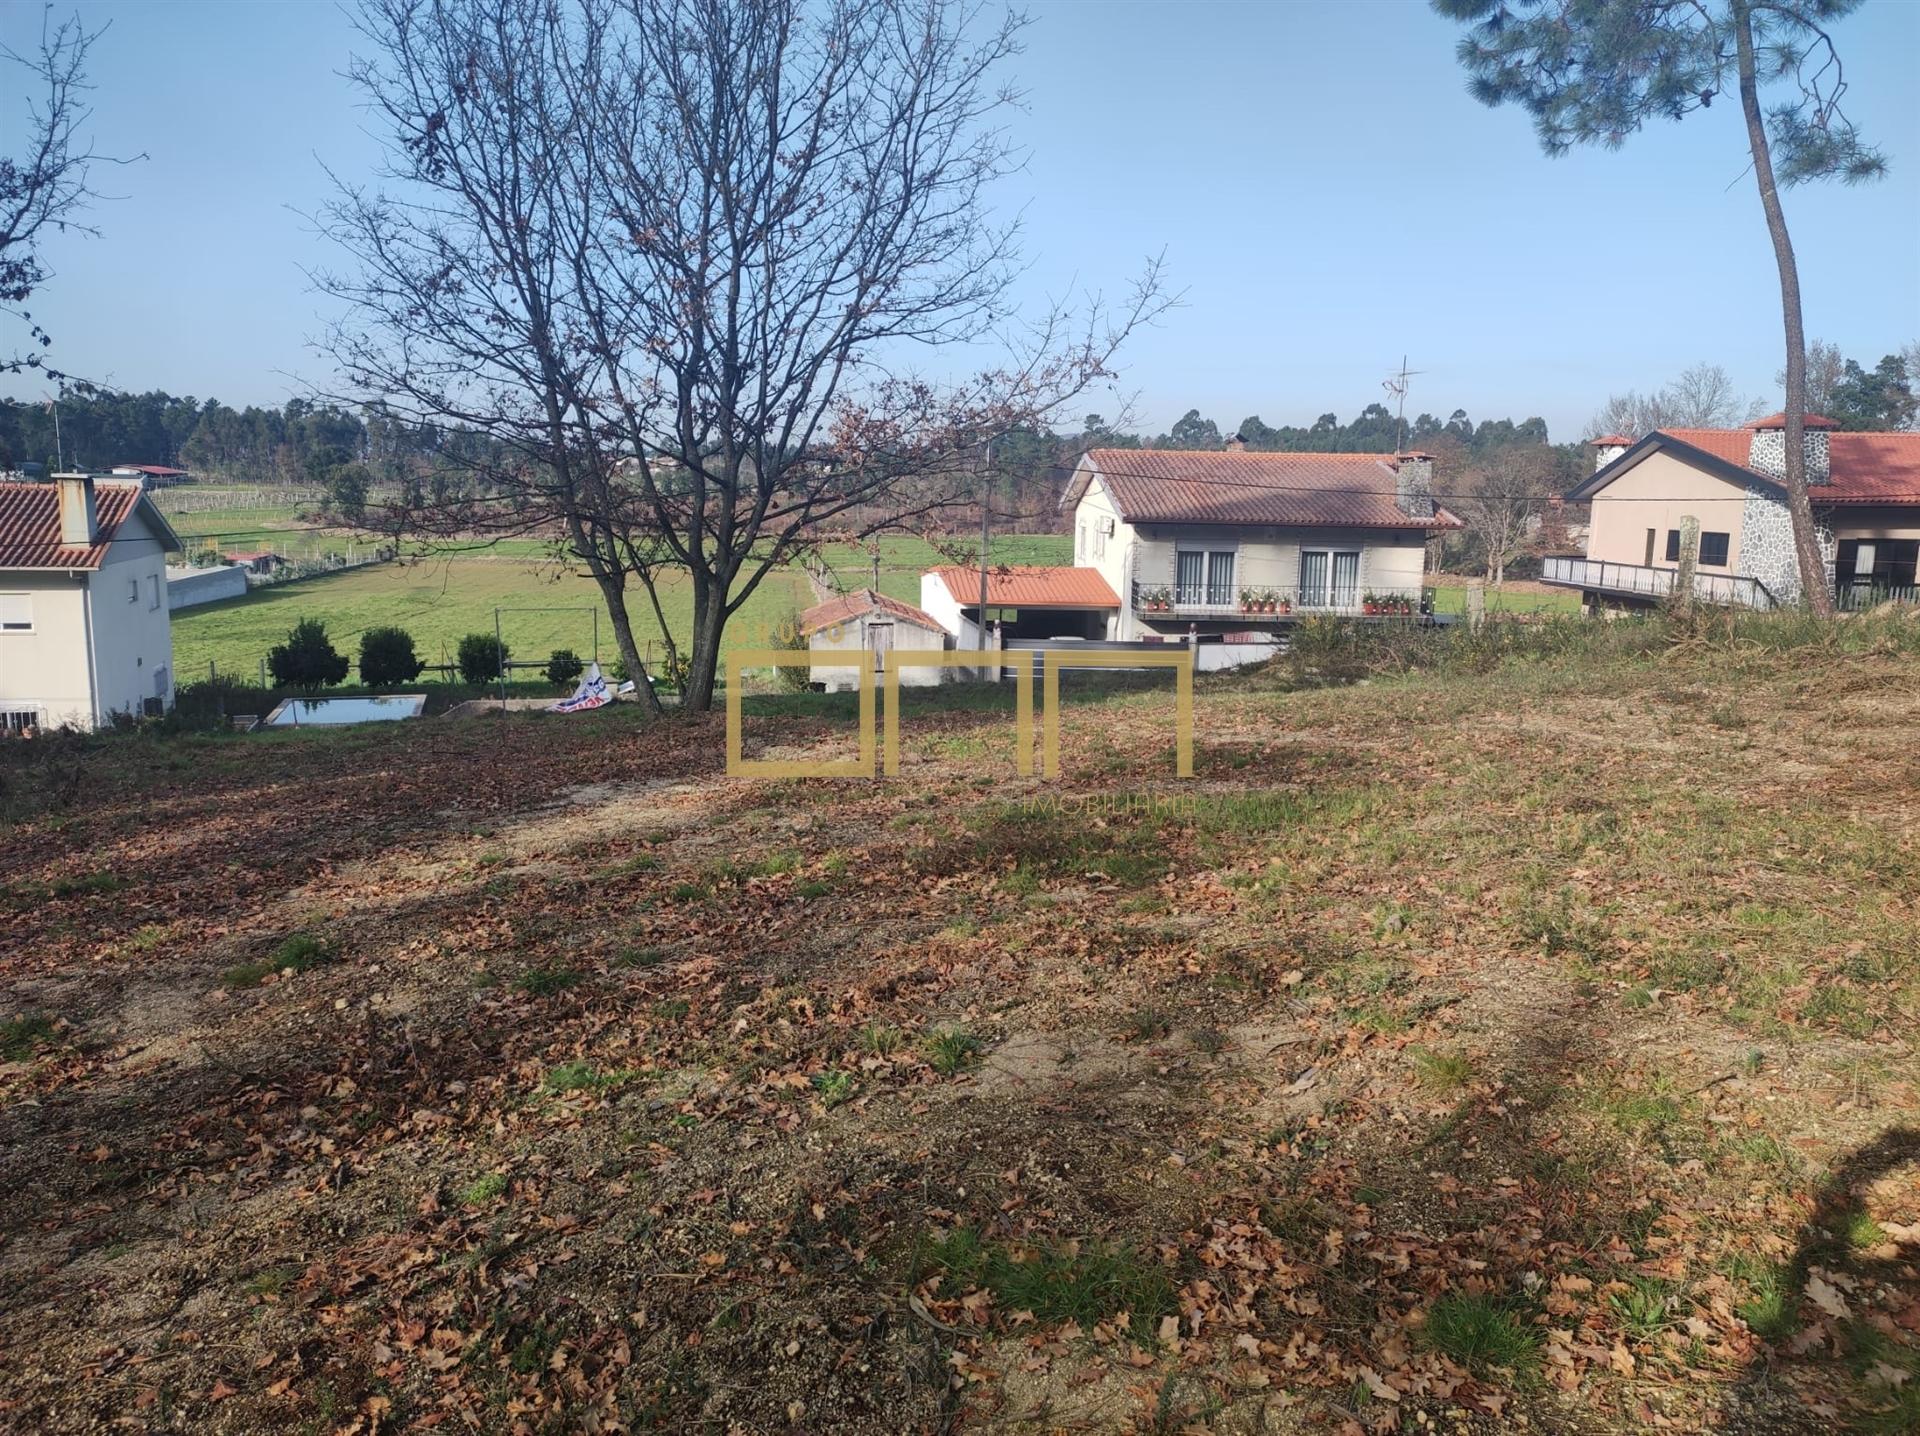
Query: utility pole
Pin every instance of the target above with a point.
(986, 495)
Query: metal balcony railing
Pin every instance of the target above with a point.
(1643, 581)
(1222, 601)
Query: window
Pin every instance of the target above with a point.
(1080, 544)
(1673, 545)
(153, 597)
(16, 613)
(1204, 576)
(133, 590)
(1329, 578)
(15, 721)
(1189, 576)
(1651, 535)
(1713, 550)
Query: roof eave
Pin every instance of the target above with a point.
(1713, 464)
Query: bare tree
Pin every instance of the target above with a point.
(1702, 397)
(1826, 367)
(43, 190)
(1501, 498)
(678, 255)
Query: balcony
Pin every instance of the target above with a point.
(1214, 601)
(1636, 580)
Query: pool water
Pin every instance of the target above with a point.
(315, 712)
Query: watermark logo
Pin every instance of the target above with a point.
(880, 734)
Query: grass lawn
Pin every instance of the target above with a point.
(439, 600)
(1520, 596)
(1519, 1045)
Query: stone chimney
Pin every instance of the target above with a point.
(79, 520)
(1237, 444)
(1413, 484)
(1767, 451)
(1607, 448)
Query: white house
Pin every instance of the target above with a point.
(1865, 494)
(84, 632)
(873, 621)
(1232, 545)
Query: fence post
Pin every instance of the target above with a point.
(1476, 604)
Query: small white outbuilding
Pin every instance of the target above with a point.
(881, 625)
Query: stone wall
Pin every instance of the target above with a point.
(1766, 545)
(1768, 454)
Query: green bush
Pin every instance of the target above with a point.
(786, 635)
(564, 667)
(387, 657)
(307, 661)
(482, 659)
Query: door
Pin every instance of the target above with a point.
(1190, 577)
(1346, 580)
(1220, 578)
(1313, 578)
(880, 640)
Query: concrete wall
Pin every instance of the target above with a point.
(1656, 494)
(856, 634)
(118, 613)
(47, 668)
(190, 587)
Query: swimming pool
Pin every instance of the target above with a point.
(321, 712)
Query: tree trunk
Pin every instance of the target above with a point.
(704, 662)
(1813, 570)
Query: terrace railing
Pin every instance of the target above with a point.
(1640, 580)
(1224, 601)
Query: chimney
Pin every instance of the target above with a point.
(79, 521)
(1767, 451)
(1237, 444)
(1607, 448)
(1413, 484)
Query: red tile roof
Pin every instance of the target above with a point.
(1866, 468)
(863, 600)
(30, 525)
(1779, 421)
(1611, 441)
(157, 471)
(1031, 587)
(1208, 486)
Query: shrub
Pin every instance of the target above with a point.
(307, 661)
(787, 636)
(564, 667)
(387, 657)
(482, 659)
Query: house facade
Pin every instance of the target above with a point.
(84, 631)
(872, 621)
(1218, 544)
(1731, 483)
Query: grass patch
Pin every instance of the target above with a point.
(1083, 1282)
(484, 1189)
(1482, 1334)
(546, 981)
(953, 1049)
(300, 953)
(1442, 1071)
(1768, 1310)
(19, 1037)
(881, 1040)
(1645, 1308)
(642, 957)
(580, 1075)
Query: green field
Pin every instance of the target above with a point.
(440, 598)
(438, 601)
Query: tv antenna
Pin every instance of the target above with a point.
(1396, 385)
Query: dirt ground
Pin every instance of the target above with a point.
(1523, 1052)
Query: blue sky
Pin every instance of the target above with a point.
(1325, 191)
